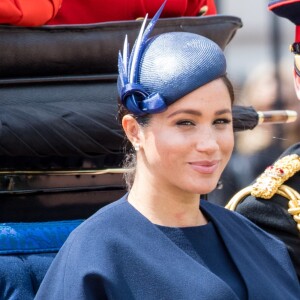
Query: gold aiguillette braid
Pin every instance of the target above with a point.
(273, 177)
(271, 182)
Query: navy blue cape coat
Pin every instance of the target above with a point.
(119, 254)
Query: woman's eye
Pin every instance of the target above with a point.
(222, 121)
(185, 123)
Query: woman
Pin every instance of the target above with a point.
(155, 242)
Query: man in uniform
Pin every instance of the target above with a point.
(273, 200)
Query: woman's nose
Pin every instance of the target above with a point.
(207, 141)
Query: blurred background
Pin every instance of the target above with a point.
(263, 38)
(260, 66)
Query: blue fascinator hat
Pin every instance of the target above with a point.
(164, 68)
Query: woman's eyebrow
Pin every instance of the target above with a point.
(197, 112)
(223, 111)
(185, 111)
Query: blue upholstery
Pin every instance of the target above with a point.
(36, 237)
(21, 275)
(26, 252)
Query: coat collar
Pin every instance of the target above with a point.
(256, 254)
(247, 245)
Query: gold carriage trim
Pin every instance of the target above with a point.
(285, 191)
(268, 183)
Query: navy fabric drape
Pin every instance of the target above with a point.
(119, 254)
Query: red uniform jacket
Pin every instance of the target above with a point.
(28, 12)
(35, 13)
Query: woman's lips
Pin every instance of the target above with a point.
(205, 167)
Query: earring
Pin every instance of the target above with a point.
(219, 185)
(137, 147)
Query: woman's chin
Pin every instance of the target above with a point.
(204, 191)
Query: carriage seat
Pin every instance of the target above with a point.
(27, 250)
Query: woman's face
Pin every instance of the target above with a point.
(187, 147)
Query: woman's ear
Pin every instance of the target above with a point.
(131, 128)
(297, 84)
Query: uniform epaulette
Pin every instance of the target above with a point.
(271, 182)
(267, 184)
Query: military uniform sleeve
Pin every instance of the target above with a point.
(272, 211)
(28, 12)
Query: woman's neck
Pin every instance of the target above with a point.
(166, 207)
